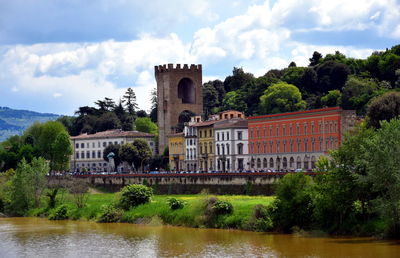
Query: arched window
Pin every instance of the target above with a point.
(186, 91)
(265, 163)
(211, 148)
(284, 162)
(218, 149)
(258, 163)
(291, 162)
(227, 149)
(312, 162)
(271, 163)
(240, 148)
(306, 162)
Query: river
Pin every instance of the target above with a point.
(35, 237)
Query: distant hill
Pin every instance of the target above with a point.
(14, 121)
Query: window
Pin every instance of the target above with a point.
(227, 136)
(265, 163)
(217, 136)
(98, 154)
(312, 127)
(93, 144)
(270, 131)
(87, 145)
(291, 145)
(211, 133)
(93, 154)
(218, 149)
(88, 154)
(251, 133)
(104, 144)
(284, 145)
(211, 148)
(257, 133)
(227, 149)
(265, 147)
(115, 142)
(77, 145)
(98, 144)
(223, 149)
(77, 155)
(201, 134)
(223, 136)
(82, 155)
(265, 132)
(305, 145)
(298, 145)
(258, 147)
(290, 130)
(277, 131)
(277, 146)
(239, 134)
(271, 162)
(305, 128)
(240, 148)
(284, 130)
(298, 129)
(82, 145)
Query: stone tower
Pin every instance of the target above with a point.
(178, 89)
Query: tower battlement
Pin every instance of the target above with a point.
(170, 68)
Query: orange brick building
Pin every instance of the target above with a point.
(295, 140)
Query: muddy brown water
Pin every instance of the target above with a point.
(35, 237)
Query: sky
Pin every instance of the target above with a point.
(56, 55)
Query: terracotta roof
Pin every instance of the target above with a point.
(232, 123)
(111, 134)
(206, 123)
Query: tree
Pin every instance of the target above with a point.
(234, 100)
(357, 92)
(314, 60)
(27, 186)
(383, 108)
(144, 124)
(237, 79)
(138, 153)
(331, 76)
(292, 64)
(128, 153)
(210, 98)
(154, 105)
(129, 99)
(294, 75)
(114, 148)
(108, 121)
(332, 99)
(142, 113)
(281, 97)
(105, 105)
(293, 202)
(51, 140)
(383, 171)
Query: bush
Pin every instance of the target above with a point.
(134, 195)
(293, 202)
(109, 213)
(175, 204)
(261, 219)
(222, 208)
(59, 213)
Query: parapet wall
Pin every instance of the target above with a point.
(170, 68)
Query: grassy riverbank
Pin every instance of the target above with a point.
(158, 211)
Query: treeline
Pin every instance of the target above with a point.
(48, 140)
(107, 114)
(333, 80)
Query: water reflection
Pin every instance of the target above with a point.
(33, 237)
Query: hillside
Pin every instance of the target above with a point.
(14, 121)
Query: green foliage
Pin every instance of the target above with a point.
(261, 219)
(357, 92)
(222, 207)
(144, 124)
(293, 202)
(129, 99)
(114, 148)
(175, 204)
(234, 101)
(383, 108)
(331, 76)
(26, 186)
(134, 195)
(79, 191)
(332, 99)
(294, 75)
(281, 97)
(110, 213)
(138, 153)
(59, 213)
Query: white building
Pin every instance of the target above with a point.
(88, 148)
(191, 142)
(231, 145)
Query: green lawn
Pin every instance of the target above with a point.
(157, 210)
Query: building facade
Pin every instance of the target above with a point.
(176, 145)
(231, 145)
(206, 145)
(191, 142)
(295, 140)
(88, 148)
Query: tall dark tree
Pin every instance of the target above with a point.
(105, 105)
(129, 99)
(314, 60)
(237, 79)
(153, 113)
(384, 108)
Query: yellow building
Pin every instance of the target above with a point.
(205, 134)
(176, 151)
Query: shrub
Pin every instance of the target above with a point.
(134, 195)
(261, 220)
(109, 213)
(222, 208)
(59, 213)
(175, 204)
(293, 202)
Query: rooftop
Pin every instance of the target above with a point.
(111, 134)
